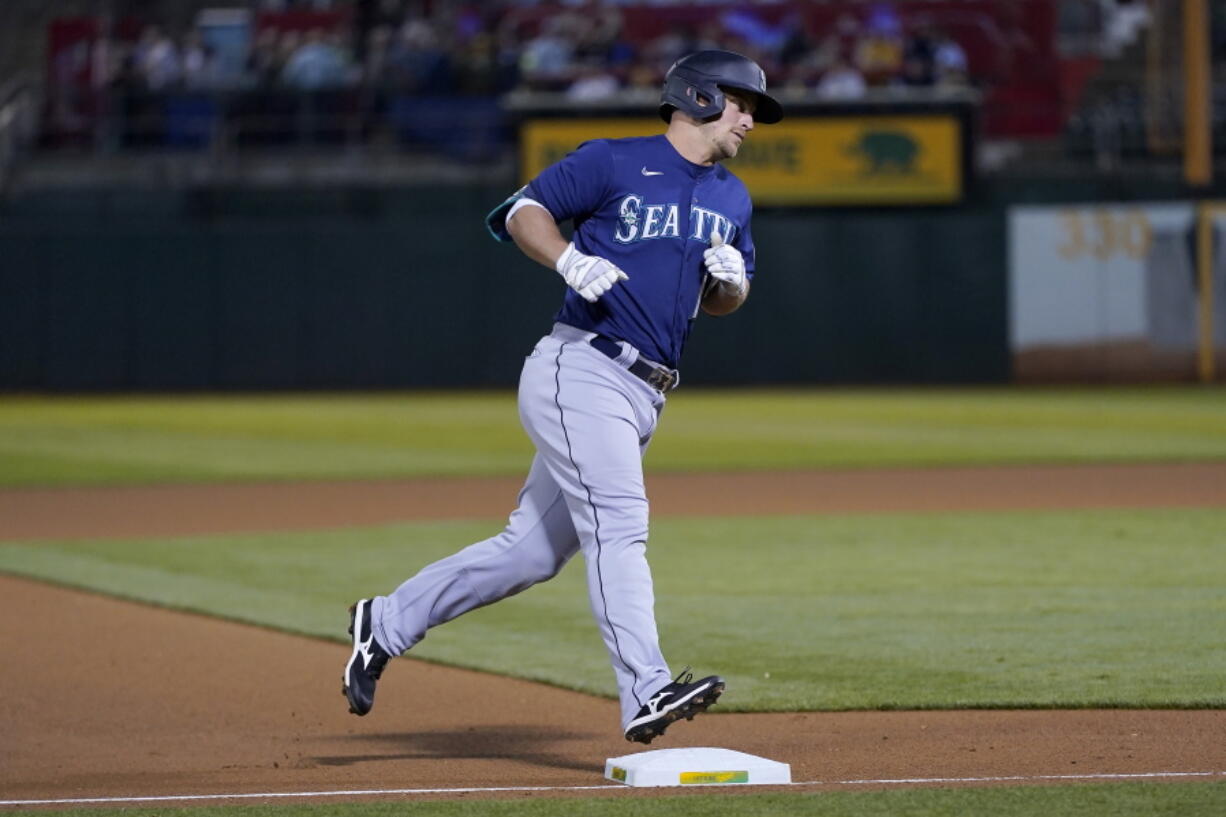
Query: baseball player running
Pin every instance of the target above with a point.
(661, 230)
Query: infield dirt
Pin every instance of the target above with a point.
(109, 698)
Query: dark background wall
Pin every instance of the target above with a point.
(375, 288)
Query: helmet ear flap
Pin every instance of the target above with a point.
(708, 102)
(693, 94)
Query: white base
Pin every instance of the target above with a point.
(695, 767)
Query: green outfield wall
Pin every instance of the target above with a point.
(304, 289)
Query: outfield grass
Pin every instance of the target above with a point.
(1056, 609)
(1108, 800)
(105, 440)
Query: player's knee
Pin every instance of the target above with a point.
(631, 522)
(627, 533)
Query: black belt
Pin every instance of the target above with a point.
(658, 377)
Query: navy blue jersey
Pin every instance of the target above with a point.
(641, 205)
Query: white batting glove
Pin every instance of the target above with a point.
(726, 264)
(589, 275)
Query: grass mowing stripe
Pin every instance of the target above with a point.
(1101, 800)
(109, 440)
(1056, 609)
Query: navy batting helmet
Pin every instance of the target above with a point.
(703, 73)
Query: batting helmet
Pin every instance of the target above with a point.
(703, 73)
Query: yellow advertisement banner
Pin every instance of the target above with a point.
(900, 159)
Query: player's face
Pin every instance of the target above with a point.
(733, 126)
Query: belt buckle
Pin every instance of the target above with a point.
(661, 379)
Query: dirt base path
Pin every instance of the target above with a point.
(171, 510)
(105, 698)
(110, 698)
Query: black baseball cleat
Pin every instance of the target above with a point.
(366, 663)
(683, 698)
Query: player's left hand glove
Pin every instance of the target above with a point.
(726, 264)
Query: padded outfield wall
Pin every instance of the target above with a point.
(1119, 292)
(310, 289)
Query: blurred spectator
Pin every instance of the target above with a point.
(919, 56)
(879, 51)
(797, 62)
(644, 75)
(288, 42)
(262, 64)
(107, 54)
(796, 47)
(319, 62)
(913, 74)
(670, 46)
(466, 23)
(124, 77)
(710, 35)
(200, 66)
(506, 47)
(600, 39)
(157, 59)
(372, 15)
(416, 61)
(593, 82)
(548, 59)
(602, 26)
(839, 45)
(748, 25)
(478, 70)
(70, 71)
(1077, 22)
(841, 81)
(1122, 20)
(376, 55)
(949, 61)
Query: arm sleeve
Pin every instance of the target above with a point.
(496, 219)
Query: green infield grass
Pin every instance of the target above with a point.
(101, 440)
(940, 610)
(1105, 800)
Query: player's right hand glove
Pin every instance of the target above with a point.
(589, 275)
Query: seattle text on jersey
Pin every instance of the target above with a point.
(639, 222)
